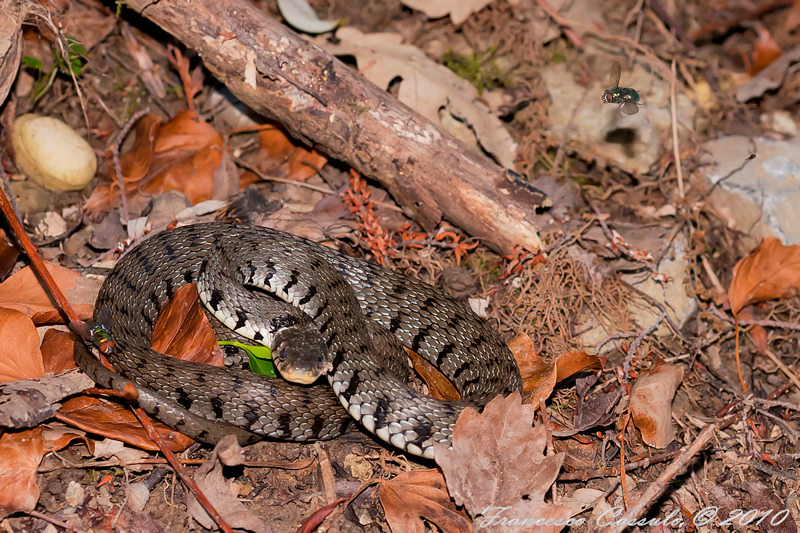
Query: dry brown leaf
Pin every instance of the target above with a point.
(184, 155)
(459, 10)
(183, 331)
(21, 452)
(8, 254)
(58, 350)
(651, 403)
(192, 174)
(57, 437)
(136, 163)
(771, 271)
(438, 384)
(412, 496)
(765, 51)
(426, 86)
(540, 377)
(570, 363)
(20, 357)
(186, 132)
(24, 293)
(210, 479)
(497, 460)
(280, 157)
(116, 421)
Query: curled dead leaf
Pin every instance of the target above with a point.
(212, 482)
(651, 403)
(771, 271)
(540, 377)
(20, 356)
(182, 330)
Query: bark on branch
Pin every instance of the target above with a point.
(318, 98)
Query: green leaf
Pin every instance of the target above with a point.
(77, 48)
(260, 357)
(32, 62)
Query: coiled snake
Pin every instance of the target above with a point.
(338, 293)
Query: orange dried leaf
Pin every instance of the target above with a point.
(279, 156)
(412, 496)
(116, 421)
(538, 376)
(186, 132)
(570, 363)
(58, 350)
(135, 163)
(24, 292)
(771, 271)
(21, 452)
(20, 357)
(183, 330)
(193, 175)
(651, 403)
(438, 385)
(765, 51)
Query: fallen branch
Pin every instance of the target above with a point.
(319, 99)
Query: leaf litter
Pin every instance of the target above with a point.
(550, 296)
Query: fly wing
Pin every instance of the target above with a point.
(613, 75)
(628, 108)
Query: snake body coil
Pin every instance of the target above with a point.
(338, 293)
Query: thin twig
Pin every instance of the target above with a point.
(319, 188)
(610, 471)
(673, 105)
(655, 489)
(626, 364)
(55, 522)
(123, 198)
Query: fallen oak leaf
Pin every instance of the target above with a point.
(497, 465)
(412, 496)
(771, 271)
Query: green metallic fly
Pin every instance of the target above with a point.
(627, 98)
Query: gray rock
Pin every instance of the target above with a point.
(760, 196)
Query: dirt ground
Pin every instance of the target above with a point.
(523, 58)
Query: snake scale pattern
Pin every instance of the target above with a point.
(338, 293)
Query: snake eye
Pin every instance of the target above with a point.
(320, 359)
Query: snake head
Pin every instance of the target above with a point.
(301, 358)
